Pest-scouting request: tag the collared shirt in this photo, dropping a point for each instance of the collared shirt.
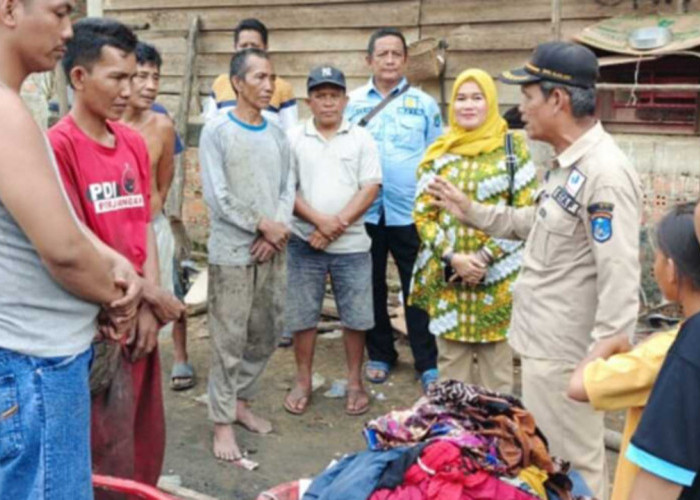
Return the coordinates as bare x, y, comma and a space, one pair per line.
281, 111
579, 279
330, 172
403, 130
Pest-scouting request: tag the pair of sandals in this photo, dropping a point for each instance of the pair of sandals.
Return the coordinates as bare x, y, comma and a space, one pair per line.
297, 401
377, 372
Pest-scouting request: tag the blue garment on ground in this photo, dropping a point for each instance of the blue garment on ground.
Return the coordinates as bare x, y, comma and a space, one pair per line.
354, 477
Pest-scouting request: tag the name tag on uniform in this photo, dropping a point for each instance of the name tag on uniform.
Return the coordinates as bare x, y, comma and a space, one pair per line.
566, 201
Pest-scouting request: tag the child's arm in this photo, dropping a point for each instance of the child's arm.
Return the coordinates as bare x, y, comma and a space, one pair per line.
604, 349
648, 486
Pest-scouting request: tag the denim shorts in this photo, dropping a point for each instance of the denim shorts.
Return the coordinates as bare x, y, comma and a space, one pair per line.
351, 281
44, 427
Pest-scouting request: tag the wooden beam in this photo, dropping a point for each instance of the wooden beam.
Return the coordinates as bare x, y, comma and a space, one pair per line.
94, 8
481, 11
176, 196
347, 15
281, 41
61, 90
500, 36
556, 20
177, 4
648, 87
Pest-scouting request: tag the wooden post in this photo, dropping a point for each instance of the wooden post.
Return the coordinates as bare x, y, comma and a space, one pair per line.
94, 8
556, 20
175, 198
61, 90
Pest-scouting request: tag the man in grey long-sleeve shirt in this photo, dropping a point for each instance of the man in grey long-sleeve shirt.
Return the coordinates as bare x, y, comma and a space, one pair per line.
249, 189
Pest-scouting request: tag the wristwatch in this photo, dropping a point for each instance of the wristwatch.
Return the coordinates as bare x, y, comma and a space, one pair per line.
447, 258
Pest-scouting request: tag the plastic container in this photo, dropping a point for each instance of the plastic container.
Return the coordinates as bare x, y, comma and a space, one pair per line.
130, 487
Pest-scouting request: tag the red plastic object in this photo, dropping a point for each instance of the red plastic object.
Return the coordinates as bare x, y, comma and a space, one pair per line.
286, 491
128, 486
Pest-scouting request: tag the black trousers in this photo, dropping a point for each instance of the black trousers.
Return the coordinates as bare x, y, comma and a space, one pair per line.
402, 242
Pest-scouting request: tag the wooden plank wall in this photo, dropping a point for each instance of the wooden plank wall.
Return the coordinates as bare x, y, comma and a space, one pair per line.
490, 34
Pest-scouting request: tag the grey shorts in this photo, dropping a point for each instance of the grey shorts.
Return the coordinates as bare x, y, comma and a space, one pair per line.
351, 280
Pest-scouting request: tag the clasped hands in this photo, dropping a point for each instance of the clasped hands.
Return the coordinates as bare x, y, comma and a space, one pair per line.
139, 313
328, 229
469, 268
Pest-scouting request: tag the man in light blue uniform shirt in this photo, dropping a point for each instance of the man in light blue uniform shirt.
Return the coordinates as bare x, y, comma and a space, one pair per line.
403, 130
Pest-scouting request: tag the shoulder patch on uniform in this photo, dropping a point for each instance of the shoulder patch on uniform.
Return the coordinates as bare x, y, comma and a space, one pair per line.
437, 120
601, 226
601, 215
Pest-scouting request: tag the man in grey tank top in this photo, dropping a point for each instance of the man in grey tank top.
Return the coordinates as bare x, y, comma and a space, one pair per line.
54, 275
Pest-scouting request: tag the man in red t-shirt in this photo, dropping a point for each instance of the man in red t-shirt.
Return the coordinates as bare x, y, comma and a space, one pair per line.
106, 172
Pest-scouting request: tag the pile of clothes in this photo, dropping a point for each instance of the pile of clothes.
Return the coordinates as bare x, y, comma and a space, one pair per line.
459, 442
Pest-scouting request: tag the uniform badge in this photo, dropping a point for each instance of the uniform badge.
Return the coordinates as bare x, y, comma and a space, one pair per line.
575, 182
601, 215
566, 201
409, 102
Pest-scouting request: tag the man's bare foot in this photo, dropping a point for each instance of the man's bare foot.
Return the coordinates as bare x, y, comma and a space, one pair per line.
358, 400
297, 399
250, 421
225, 446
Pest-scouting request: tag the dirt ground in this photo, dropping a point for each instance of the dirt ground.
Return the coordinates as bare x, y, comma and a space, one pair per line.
300, 446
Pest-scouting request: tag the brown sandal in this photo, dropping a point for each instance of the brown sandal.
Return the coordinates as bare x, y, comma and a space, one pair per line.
355, 395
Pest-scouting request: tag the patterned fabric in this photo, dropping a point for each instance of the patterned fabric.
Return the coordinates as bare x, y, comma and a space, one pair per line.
492, 429
460, 312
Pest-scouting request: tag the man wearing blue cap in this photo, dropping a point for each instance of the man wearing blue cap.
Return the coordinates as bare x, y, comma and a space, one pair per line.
338, 175
578, 286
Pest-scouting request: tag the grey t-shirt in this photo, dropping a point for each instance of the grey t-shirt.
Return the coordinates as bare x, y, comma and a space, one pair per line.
246, 175
38, 317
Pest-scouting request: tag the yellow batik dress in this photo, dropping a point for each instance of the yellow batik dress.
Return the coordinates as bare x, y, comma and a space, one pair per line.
461, 312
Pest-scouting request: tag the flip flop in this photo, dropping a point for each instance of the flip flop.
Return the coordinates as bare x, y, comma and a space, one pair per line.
285, 342
379, 366
355, 394
428, 378
291, 406
182, 377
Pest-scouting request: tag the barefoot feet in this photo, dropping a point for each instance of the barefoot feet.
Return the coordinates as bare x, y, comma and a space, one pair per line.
250, 421
225, 446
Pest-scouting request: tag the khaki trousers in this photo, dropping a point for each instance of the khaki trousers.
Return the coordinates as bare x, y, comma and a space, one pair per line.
575, 431
489, 364
245, 320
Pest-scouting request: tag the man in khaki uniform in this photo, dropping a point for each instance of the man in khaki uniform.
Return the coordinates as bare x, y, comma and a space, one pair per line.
580, 274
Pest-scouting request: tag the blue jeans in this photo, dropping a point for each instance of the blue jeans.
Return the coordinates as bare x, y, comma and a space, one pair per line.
351, 280
44, 427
